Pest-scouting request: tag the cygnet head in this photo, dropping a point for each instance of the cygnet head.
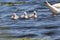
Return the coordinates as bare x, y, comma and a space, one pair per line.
35, 12
25, 13
14, 14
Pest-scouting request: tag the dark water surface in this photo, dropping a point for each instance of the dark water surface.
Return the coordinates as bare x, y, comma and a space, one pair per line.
44, 25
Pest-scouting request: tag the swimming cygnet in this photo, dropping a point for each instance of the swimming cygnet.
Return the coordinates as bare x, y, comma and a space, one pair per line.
55, 8
14, 16
33, 15
24, 16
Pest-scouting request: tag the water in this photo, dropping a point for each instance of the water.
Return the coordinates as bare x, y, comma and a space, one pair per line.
44, 25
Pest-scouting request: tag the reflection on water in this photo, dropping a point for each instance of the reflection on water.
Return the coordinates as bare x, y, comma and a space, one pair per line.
43, 38
44, 25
